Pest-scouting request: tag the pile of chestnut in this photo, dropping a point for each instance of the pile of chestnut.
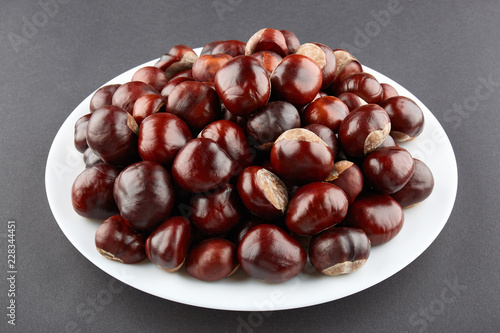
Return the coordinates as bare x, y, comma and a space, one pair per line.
259, 154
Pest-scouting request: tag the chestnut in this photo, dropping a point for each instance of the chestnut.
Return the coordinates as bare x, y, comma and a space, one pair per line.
168, 245
92, 192
117, 241
389, 91
379, 215
180, 50
300, 156
208, 48
262, 192
388, 169
90, 158
327, 135
364, 85
181, 60
187, 73
267, 40
326, 110
195, 103
127, 94
80, 137
206, 66
267, 124
144, 194
217, 211
324, 58
388, 142
103, 96
151, 75
231, 138
348, 177
161, 137
270, 254
316, 207
364, 129
339, 250
418, 188
212, 260
174, 82
407, 119
202, 165
347, 64
297, 79
352, 101
268, 59
147, 105
112, 135
232, 47
292, 42
243, 85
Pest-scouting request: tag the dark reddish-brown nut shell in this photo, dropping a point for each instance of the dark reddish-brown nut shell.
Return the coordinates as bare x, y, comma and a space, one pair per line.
161, 137
349, 178
208, 48
388, 169
195, 103
187, 73
300, 156
243, 85
267, 40
127, 94
112, 135
339, 250
267, 124
212, 259
269, 59
80, 136
326, 110
364, 85
316, 207
232, 47
103, 96
168, 245
90, 158
182, 59
407, 119
206, 66
418, 188
174, 82
364, 129
268, 253
230, 137
116, 240
202, 165
144, 194
92, 192
379, 215
216, 212
151, 75
389, 91
292, 42
388, 142
326, 135
352, 101
347, 64
238, 120
147, 105
329, 71
237, 233
262, 192
297, 79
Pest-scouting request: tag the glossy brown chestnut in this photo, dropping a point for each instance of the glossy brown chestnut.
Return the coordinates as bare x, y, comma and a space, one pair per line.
147, 105
127, 94
352, 101
208, 48
212, 260
233, 48
80, 136
92, 192
243, 85
268, 59
339, 250
217, 211
112, 135
161, 137
202, 165
174, 82
326, 135
195, 103
206, 66
151, 75
364, 129
116, 240
292, 42
144, 194
297, 79
267, 40
300, 156
388, 169
347, 64
326, 110
232, 139
324, 58
180, 50
267, 124
181, 60
316, 207
389, 91
364, 85
418, 188
185, 73
379, 215
348, 177
168, 245
103, 96
90, 158
262, 192
407, 119
270, 254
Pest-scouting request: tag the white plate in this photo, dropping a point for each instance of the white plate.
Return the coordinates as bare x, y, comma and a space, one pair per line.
422, 225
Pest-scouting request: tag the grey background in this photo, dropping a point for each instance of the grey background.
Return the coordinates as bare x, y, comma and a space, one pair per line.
440, 51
